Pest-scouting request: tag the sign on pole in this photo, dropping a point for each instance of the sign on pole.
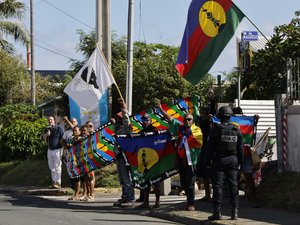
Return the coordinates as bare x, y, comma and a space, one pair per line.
249, 36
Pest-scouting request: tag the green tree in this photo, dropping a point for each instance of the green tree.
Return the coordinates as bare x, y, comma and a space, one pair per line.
15, 83
11, 73
20, 132
12, 10
267, 75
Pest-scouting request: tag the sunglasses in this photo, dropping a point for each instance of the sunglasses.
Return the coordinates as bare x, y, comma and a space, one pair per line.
188, 119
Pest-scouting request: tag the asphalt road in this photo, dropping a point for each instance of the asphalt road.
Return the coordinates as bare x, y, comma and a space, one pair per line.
32, 210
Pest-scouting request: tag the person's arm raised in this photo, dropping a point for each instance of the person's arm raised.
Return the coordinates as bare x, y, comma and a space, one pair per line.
166, 116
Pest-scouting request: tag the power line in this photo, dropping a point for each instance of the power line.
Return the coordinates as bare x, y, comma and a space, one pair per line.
67, 14
46, 44
57, 53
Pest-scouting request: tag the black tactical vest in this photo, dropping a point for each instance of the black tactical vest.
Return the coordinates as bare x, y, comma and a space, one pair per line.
228, 139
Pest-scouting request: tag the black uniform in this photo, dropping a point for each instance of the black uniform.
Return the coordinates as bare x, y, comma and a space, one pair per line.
225, 150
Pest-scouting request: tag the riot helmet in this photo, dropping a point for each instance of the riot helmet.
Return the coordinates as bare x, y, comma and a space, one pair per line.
224, 112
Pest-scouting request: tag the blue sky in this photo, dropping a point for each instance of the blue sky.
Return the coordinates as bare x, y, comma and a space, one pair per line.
156, 21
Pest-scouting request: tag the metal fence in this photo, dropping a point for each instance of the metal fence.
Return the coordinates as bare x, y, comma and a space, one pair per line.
295, 80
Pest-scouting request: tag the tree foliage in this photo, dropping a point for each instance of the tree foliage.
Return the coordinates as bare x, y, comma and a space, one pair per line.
20, 130
267, 75
154, 74
11, 12
15, 86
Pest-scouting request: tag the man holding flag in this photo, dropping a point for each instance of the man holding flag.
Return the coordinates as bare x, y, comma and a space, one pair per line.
189, 144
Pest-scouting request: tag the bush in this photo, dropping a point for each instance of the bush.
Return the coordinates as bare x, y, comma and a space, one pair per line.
21, 129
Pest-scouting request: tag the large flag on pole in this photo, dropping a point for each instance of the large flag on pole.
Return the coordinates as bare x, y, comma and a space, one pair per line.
98, 114
210, 26
91, 82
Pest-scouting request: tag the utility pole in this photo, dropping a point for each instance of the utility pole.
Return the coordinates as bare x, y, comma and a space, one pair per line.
103, 39
99, 23
129, 56
106, 45
106, 35
32, 71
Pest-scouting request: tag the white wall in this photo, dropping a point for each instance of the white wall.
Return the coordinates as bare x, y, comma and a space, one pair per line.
266, 111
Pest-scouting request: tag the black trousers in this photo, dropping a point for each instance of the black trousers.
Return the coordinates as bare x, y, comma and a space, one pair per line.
187, 181
225, 168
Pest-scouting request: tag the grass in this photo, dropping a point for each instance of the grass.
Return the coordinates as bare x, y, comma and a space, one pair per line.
36, 173
277, 190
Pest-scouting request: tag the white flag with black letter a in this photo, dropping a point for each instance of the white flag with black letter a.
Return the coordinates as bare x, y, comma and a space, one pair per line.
90, 82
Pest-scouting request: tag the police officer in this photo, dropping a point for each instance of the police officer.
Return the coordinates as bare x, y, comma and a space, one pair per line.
225, 153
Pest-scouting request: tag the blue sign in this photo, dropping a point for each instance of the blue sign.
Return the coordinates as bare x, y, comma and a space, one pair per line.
249, 36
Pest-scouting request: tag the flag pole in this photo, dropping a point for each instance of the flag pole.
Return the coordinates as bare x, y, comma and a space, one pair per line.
110, 73
264, 36
258, 29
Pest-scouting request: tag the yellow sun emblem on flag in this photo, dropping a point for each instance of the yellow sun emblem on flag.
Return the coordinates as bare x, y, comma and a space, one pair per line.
146, 157
173, 113
212, 18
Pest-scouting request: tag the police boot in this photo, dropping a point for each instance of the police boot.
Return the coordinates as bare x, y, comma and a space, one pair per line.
216, 215
234, 214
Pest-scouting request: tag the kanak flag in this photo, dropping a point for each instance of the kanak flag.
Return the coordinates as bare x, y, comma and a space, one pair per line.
210, 26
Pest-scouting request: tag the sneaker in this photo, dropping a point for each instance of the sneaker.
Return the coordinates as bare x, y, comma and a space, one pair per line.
215, 217
56, 186
128, 205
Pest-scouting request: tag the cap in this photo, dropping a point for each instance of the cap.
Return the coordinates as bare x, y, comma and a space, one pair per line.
146, 116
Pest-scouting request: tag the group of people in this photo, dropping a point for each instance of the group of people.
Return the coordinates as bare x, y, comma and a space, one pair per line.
219, 148
58, 143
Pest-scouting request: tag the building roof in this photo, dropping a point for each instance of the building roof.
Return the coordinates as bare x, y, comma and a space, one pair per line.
44, 73
256, 45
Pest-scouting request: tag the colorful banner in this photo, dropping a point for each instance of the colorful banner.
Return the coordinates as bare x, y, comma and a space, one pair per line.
177, 110
247, 126
97, 150
151, 158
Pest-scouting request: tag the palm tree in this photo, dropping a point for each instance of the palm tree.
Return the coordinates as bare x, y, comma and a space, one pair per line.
12, 9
